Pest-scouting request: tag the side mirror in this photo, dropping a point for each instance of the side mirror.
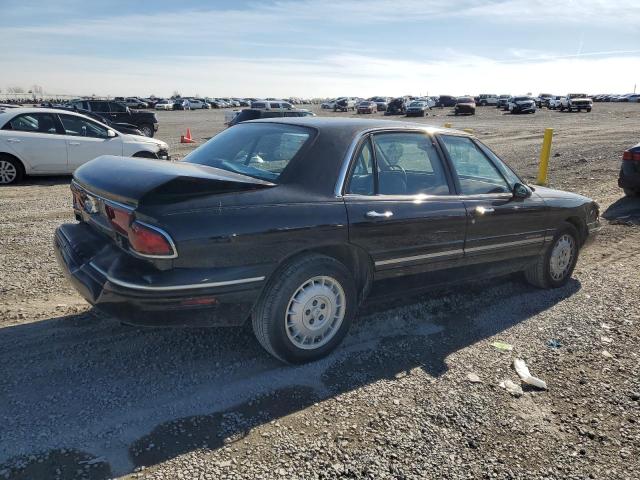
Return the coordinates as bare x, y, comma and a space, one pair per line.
521, 191
111, 134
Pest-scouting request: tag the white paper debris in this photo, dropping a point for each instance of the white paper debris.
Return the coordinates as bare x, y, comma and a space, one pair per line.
523, 372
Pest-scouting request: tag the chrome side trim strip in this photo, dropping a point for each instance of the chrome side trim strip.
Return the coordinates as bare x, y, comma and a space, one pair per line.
419, 257
137, 286
505, 244
392, 261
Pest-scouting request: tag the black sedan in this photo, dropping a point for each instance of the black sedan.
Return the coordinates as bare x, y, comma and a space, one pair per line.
465, 106
290, 223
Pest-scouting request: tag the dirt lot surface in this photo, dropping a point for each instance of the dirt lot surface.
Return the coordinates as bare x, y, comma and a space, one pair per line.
82, 396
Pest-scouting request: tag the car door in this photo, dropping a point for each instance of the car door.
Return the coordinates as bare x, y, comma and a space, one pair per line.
87, 140
119, 112
400, 207
502, 226
37, 140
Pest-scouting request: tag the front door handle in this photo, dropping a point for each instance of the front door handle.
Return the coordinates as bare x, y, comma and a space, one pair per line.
484, 210
74, 143
374, 214
13, 140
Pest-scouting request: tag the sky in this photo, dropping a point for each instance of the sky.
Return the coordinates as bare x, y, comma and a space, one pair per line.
318, 48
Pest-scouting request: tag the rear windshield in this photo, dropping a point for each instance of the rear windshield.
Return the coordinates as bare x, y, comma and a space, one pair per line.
259, 150
521, 99
465, 100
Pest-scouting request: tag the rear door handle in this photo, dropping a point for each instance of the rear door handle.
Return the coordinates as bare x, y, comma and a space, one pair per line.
484, 210
374, 214
13, 140
74, 143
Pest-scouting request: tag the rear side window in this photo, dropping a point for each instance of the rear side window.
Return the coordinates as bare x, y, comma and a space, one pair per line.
476, 173
99, 107
408, 164
117, 107
32, 122
259, 150
258, 105
362, 175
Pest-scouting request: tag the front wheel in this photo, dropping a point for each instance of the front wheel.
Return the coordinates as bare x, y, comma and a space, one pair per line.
306, 309
11, 171
147, 130
555, 265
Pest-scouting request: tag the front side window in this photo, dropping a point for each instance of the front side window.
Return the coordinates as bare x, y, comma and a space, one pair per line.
260, 150
408, 164
80, 127
476, 173
32, 122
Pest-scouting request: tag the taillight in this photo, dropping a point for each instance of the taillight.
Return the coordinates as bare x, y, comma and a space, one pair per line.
119, 218
147, 240
143, 239
631, 156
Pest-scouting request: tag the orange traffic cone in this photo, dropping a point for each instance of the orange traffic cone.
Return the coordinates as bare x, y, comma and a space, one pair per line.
187, 138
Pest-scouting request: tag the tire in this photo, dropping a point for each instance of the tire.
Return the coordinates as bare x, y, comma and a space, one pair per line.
147, 130
588, 110
553, 269
11, 170
275, 322
145, 155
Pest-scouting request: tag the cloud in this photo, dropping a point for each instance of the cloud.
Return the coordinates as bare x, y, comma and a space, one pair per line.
331, 75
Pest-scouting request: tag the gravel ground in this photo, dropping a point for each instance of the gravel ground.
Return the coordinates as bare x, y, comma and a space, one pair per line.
413, 392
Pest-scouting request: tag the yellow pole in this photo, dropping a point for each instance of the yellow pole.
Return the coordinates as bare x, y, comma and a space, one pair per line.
544, 157
447, 125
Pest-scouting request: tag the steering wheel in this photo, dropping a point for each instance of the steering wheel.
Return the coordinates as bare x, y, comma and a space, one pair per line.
398, 168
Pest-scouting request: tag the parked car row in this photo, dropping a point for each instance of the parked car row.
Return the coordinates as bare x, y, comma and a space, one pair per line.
628, 97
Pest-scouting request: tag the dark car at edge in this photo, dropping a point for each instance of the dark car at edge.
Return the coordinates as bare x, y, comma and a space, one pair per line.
629, 178
117, 112
291, 223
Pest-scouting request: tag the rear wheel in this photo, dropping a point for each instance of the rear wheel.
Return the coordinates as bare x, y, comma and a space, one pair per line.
11, 170
306, 310
555, 265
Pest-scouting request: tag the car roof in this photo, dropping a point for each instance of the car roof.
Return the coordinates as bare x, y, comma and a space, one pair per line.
21, 110
355, 125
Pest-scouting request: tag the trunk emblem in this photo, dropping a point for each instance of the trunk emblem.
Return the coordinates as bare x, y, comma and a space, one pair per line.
90, 204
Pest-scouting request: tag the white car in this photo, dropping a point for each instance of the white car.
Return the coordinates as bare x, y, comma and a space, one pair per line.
195, 104
45, 141
164, 105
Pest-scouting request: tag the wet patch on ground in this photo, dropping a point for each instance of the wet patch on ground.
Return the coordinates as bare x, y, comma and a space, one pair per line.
60, 464
210, 432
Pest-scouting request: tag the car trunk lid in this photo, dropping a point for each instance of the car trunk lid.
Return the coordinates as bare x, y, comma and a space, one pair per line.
138, 181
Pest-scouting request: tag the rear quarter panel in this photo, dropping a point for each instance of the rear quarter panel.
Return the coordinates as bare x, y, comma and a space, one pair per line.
258, 236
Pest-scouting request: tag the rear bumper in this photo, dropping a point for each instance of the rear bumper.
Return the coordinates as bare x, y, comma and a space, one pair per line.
137, 293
